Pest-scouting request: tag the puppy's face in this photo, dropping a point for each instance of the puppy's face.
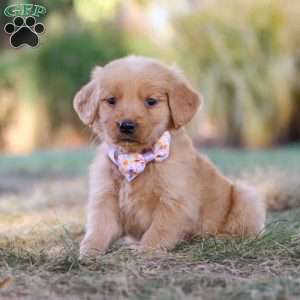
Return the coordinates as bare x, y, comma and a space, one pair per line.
132, 101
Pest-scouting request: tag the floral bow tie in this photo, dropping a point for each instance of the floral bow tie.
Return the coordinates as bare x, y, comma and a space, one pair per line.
132, 164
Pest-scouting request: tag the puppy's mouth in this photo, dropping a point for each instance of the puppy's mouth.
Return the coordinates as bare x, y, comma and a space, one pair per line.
129, 143
127, 139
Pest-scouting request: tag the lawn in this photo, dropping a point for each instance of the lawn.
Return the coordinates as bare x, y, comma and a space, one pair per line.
42, 198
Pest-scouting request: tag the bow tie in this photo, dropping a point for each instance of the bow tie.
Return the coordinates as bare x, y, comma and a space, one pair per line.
132, 164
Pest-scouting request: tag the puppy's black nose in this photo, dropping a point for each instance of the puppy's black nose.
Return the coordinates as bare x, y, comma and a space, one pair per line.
127, 126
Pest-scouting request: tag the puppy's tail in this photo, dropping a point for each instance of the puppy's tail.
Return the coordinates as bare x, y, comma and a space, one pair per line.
280, 191
247, 212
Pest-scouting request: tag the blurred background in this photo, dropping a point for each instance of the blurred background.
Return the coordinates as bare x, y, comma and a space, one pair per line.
243, 56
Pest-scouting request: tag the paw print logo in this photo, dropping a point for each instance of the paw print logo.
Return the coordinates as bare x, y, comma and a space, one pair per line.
24, 31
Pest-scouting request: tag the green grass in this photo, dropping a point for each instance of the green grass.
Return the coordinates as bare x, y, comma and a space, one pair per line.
228, 160
41, 224
49, 161
235, 161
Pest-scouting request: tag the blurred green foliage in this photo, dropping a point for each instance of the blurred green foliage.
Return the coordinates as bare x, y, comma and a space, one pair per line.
243, 56
64, 64
78, 36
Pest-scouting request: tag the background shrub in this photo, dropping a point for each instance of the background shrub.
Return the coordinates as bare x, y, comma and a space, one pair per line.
64, 64
243, 56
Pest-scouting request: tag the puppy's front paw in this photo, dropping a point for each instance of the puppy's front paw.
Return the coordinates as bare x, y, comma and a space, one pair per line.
131, 243
91, 247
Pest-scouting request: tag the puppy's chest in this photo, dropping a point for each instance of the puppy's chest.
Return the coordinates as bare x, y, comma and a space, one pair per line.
137, 202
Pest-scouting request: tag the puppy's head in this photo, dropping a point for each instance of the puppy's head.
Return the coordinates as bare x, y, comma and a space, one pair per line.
133, 100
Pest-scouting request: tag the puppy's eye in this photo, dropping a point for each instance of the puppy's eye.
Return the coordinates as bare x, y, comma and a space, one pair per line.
151, 102
111, 101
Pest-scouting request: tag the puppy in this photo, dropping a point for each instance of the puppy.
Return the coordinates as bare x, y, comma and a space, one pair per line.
148, 181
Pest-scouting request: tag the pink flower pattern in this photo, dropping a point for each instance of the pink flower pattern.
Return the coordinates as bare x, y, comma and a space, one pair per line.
132, 164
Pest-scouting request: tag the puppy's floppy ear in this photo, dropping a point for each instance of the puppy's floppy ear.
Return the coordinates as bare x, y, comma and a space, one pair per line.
85, 102
183, 101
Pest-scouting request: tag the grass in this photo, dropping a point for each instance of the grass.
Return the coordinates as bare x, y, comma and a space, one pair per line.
76, 160
228, 160
41, 224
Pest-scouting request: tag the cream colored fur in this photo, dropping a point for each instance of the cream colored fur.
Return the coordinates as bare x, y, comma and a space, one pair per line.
179, 198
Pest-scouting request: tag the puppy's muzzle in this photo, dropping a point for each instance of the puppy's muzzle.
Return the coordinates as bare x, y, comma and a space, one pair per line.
127, 126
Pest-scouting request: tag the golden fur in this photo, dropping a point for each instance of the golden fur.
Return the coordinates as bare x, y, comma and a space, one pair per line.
178, 198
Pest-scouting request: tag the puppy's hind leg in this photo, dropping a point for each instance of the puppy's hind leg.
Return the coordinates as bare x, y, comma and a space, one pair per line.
169, 225
247, 212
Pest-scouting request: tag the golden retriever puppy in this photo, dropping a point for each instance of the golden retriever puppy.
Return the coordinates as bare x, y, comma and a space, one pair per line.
148, 181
